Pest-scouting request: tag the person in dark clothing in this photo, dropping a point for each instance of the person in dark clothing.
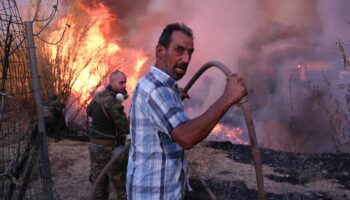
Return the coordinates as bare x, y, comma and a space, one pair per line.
54, 117
109, 129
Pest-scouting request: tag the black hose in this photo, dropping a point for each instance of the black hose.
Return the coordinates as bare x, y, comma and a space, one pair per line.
248, 118
206, 66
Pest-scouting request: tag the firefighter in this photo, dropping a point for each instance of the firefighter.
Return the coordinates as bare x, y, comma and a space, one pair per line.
109, 129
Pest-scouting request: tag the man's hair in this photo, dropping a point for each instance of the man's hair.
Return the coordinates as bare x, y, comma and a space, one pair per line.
165, 37
114, 74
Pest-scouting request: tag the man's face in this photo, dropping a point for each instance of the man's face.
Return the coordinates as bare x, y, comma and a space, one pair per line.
178, 55
119, 83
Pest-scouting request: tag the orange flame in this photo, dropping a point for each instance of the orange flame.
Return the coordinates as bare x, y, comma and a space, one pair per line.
225, 133
132, 81
86, 53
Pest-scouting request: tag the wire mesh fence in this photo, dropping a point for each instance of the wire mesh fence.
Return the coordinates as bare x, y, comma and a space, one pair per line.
21, 145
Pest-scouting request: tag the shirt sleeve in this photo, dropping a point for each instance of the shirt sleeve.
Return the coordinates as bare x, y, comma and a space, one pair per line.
166, 109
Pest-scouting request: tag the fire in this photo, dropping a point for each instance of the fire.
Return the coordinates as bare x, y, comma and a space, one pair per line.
88, 52
225, 133
137, 67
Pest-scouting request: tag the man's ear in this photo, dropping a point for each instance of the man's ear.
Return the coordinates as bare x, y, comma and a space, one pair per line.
160, 51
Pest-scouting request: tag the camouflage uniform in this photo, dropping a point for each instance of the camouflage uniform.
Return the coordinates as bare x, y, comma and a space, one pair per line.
54, 116
110, 123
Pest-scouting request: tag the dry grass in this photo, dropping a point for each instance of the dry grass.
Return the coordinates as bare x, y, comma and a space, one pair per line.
222, 173
215, 165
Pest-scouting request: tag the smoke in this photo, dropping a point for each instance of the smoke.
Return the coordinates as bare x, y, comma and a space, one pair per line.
287, 115
265, 40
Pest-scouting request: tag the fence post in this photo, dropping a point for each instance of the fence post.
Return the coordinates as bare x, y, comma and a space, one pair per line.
39, 107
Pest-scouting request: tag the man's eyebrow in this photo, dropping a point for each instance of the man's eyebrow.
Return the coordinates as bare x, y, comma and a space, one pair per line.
179, 46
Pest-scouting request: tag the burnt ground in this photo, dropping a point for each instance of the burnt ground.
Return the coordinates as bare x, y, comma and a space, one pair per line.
226, 169
286, 175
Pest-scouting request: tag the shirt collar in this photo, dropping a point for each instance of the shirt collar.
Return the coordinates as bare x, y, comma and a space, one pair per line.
163, 77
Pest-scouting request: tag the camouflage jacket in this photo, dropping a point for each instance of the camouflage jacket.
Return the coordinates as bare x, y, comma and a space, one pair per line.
108, 116
53, 109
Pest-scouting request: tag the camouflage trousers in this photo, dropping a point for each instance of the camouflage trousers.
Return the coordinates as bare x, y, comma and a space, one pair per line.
99, 157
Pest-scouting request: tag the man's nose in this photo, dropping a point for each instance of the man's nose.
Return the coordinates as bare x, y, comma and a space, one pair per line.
186, 58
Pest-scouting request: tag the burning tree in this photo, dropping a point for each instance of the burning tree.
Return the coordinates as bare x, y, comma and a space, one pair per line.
76, 56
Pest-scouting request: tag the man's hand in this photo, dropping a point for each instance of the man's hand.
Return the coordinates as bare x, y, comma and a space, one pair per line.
235, 88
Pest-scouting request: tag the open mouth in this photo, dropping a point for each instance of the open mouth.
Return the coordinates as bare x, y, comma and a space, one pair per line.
180, 70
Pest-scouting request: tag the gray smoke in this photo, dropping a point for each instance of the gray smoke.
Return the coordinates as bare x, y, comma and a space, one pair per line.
265, 40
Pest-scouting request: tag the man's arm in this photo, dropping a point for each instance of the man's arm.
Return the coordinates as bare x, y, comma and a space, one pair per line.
117, 114
193, 131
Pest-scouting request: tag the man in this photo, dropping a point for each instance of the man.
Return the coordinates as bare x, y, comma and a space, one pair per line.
54, 116
160, 131
109, 128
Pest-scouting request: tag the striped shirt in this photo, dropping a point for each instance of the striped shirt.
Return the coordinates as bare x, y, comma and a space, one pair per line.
157, 166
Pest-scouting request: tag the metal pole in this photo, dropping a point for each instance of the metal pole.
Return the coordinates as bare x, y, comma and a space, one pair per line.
46, 173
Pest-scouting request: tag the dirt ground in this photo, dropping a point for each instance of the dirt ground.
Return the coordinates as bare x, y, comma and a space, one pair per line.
227, 171
70, 167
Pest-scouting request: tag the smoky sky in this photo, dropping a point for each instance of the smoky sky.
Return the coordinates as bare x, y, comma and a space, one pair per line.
264, 40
